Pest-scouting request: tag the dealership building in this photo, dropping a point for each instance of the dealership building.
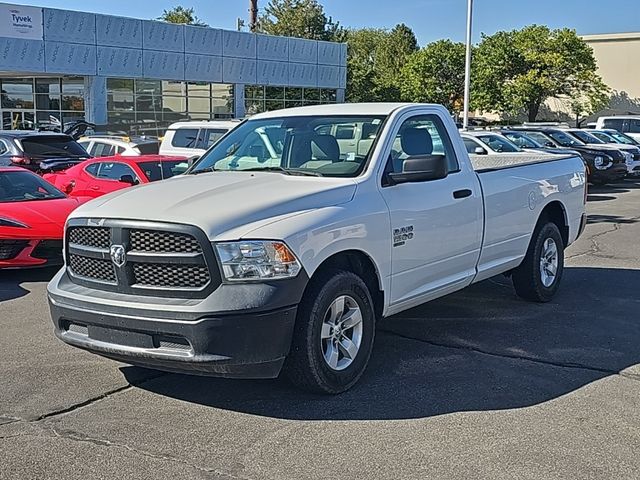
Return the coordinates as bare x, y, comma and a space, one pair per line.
139, 76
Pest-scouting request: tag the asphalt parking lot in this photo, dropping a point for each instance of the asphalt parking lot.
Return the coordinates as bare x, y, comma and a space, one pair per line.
475, 385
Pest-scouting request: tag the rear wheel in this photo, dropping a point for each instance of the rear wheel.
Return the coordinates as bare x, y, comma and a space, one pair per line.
538, 277
333, 335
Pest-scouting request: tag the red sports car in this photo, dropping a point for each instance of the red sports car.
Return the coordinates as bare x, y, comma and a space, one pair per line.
32, 217
102, 175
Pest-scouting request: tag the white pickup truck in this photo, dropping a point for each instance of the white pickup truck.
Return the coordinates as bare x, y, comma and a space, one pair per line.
281, 247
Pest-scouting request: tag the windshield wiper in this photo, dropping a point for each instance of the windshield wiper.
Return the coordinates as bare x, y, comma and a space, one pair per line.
204, 170
286, 171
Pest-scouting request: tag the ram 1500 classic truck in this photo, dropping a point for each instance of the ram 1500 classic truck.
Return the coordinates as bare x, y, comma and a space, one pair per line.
281, 247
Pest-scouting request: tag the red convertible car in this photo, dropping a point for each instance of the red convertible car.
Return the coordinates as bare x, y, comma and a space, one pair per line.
32, 217
102, 175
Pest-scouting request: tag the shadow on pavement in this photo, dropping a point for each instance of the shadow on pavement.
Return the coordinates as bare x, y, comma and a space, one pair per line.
11, 280
599, 198
610, 219
479, 349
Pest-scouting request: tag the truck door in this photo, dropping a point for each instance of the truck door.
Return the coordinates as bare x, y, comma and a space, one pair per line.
437, 224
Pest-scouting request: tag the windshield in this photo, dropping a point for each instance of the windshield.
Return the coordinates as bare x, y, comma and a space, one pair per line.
311, 145
565, 139
522, 141
52, 146
16, 186
622, 138
155, 171
586, 137
498, 143
605, 137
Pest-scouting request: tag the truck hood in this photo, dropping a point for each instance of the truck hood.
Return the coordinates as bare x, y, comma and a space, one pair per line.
221, 202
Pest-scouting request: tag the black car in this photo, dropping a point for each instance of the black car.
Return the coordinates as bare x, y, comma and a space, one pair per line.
523, 140
39, 151
605, 164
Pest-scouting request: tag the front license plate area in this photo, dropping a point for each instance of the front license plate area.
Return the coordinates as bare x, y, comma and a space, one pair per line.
120, 337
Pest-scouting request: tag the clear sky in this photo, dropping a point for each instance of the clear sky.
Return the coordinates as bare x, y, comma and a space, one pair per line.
429, 19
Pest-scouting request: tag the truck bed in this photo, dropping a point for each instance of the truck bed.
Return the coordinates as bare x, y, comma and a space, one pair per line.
486, 163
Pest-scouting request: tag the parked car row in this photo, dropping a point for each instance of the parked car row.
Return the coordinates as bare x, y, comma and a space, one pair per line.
609, 155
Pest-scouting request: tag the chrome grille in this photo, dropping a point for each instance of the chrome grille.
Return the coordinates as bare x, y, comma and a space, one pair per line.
163, 242
158, 260
96, 237
92, 268
180, 276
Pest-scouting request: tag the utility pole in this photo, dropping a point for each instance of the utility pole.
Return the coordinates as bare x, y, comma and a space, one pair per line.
253, 15
467, 68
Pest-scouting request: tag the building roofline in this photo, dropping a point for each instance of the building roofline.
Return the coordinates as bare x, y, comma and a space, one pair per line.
611, 37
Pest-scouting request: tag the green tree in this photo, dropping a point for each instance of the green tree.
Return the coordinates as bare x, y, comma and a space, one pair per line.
594, 95
392, 54
181, 15
362, 52
375, 59
298, 18
519, 70
435, 74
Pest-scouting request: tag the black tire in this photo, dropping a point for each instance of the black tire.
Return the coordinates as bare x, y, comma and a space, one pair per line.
527, 278
305, 365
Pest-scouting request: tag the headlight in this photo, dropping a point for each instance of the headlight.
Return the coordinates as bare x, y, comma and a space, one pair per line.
257, 260
7, 222
602, 162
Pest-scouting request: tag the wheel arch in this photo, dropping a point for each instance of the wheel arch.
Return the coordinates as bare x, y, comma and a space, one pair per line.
360, 263
556, 213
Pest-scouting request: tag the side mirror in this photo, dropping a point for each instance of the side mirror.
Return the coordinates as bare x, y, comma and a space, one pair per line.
480, 151
420, 168
549, 144
128, 179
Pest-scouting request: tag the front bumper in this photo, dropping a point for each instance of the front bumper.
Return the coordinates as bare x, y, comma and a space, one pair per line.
616, 172
242, 343
32, 253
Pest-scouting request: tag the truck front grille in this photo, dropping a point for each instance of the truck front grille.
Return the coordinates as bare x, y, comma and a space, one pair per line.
96, 237
180, 276
160, 260
92, 268
163, 242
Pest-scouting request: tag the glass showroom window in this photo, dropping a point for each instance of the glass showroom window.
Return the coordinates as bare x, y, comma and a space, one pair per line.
146, 106
259, 98
31, 103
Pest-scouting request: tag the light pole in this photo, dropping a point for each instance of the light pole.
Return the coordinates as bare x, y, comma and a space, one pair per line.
467, 67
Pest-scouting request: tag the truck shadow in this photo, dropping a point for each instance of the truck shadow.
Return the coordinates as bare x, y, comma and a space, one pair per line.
479, 349
11, 281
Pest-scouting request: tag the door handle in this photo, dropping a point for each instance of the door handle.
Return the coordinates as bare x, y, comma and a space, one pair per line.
462, 193
95, 187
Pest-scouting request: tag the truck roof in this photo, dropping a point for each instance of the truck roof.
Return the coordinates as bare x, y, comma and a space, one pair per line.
337, 109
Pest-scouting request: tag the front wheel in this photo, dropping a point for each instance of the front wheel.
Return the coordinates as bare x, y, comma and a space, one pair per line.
333, 335
538, 277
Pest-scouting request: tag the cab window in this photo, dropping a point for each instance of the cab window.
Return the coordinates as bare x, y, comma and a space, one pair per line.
615, 123
92, 169
114, 171
419, 136
103, 150
185, 138
209, 136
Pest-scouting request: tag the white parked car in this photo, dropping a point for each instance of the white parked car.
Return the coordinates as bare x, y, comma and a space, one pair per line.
190, 139
108, 146
250, 265
485, 142
629, 124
